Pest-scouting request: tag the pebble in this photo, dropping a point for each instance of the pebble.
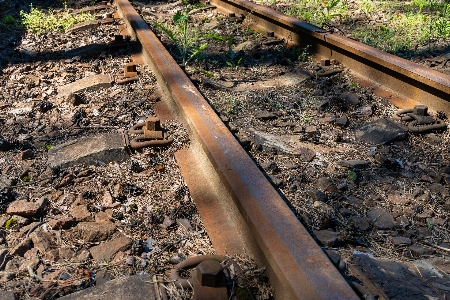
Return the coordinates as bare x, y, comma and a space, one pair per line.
400, 240
381, 218
317, 195
265, 116
354, 164
359, 223
329, 238
350, 98
130, 260
418, 250
277, 182
342, 121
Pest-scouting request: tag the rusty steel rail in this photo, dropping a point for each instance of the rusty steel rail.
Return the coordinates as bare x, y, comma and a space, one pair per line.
402, 77
240, 209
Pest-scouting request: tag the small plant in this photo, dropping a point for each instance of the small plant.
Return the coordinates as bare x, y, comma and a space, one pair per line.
352, 175
37, 21
133, 207
329, 6
26, 178
48, 147
182, 36
8, 20
10, 223
232, 54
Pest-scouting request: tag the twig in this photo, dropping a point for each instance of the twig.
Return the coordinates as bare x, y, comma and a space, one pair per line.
34, 228
438, 247
4, 260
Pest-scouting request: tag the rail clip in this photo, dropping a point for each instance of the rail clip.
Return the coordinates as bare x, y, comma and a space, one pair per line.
419, 121
149, 134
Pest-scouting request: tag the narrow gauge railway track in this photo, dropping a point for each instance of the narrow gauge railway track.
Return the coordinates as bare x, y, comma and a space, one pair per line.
241, 210
248, 205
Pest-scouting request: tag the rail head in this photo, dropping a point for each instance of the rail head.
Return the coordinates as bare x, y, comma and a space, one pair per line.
301, 268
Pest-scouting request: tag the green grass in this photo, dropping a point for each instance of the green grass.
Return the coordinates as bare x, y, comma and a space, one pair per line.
37, 21
392, 26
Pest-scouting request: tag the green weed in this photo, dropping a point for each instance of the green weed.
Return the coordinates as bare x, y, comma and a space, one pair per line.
8, 20
10, 223
352, 175
37, 21
185, 39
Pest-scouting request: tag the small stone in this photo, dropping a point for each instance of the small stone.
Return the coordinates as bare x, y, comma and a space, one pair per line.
342, 121
317, 93
185, 224
66, 253
359, 223
381, 218
311, 129
270, 166
52, 255
329, 238
437, 188
64, 276
108, 249
168, 222
335, 258
68, 179
28, 208
265, 115
277, 182
44, 241
398, 199
4, 295
400, 240
25, 155
354, 164
176, 259
102, 148
6, 276
323, 206
95, 232
21, 248
130, 260
102, 276
318, 196
380, 131
402, 221
327, 120
326, 184
80, 213
350, 98
366, 111
419, 250
62, 223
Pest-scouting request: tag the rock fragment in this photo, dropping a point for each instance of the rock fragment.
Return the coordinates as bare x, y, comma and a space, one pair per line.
381, 218
27, 208
380, 131
108, 249
102, 148
329, 238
